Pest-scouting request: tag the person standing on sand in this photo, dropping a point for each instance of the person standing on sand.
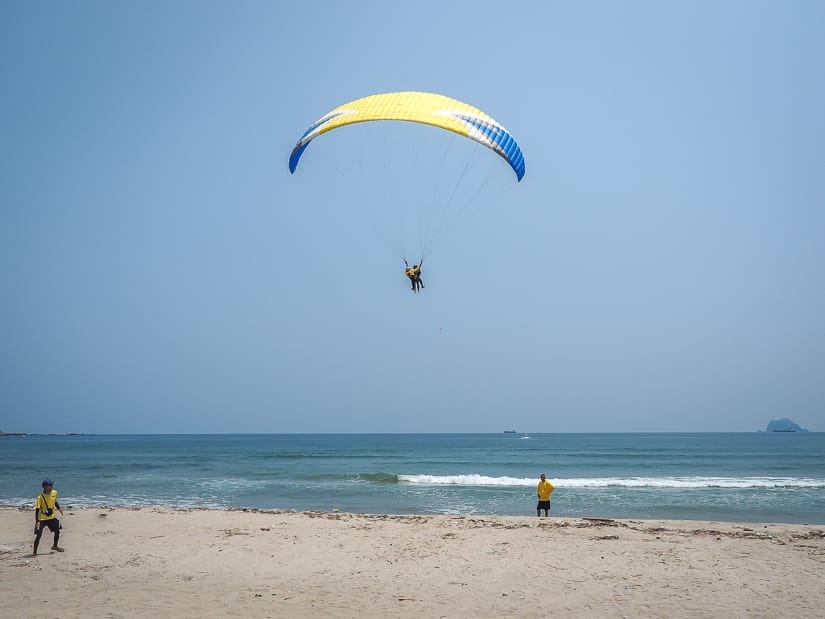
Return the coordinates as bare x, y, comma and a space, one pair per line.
544, 490
44, 516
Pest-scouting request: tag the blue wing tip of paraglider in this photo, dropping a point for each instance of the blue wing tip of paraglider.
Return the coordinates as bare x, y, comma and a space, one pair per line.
517, 163
499, 139
519, 168
512, 153
295, 156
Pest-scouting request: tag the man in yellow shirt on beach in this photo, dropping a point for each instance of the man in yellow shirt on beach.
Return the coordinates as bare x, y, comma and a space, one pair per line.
544, 490
44, 516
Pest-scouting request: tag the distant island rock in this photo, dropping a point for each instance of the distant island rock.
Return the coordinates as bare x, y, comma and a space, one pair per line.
784, 425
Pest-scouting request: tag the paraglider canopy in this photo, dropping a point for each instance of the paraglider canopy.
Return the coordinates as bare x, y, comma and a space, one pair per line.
420, 107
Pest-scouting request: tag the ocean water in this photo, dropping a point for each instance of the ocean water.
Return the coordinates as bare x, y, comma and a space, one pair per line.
751, 477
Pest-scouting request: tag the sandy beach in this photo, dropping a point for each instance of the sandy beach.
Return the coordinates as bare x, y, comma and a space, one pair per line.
216, 563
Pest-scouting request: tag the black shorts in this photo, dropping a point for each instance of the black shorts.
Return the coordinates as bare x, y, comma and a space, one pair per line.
543, 505
53, 524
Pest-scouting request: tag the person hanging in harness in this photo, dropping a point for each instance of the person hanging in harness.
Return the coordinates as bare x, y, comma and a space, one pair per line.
414, 273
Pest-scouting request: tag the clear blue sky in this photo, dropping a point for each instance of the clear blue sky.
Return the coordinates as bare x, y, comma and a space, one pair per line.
660, 268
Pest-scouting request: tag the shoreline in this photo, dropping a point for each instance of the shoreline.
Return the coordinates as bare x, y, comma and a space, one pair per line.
203, 562
335, 512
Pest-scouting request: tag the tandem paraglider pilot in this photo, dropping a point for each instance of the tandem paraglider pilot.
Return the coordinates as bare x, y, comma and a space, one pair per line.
414, 273
45, 517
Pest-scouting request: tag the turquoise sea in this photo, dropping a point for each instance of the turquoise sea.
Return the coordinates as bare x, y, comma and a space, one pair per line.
755, 477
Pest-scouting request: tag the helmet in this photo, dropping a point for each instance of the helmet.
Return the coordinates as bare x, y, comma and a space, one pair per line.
47, 482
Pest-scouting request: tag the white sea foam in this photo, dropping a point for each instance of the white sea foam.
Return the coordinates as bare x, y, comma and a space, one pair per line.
228, 484
625, 482
466, 480
693, 482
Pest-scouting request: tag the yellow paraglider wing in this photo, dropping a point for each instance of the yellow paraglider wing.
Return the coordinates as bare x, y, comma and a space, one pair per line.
420, 107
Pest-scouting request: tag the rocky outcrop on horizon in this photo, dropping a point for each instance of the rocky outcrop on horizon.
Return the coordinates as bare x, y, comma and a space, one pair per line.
784, 425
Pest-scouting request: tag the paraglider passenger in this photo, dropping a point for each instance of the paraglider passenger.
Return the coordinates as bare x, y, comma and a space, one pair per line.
414, 273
